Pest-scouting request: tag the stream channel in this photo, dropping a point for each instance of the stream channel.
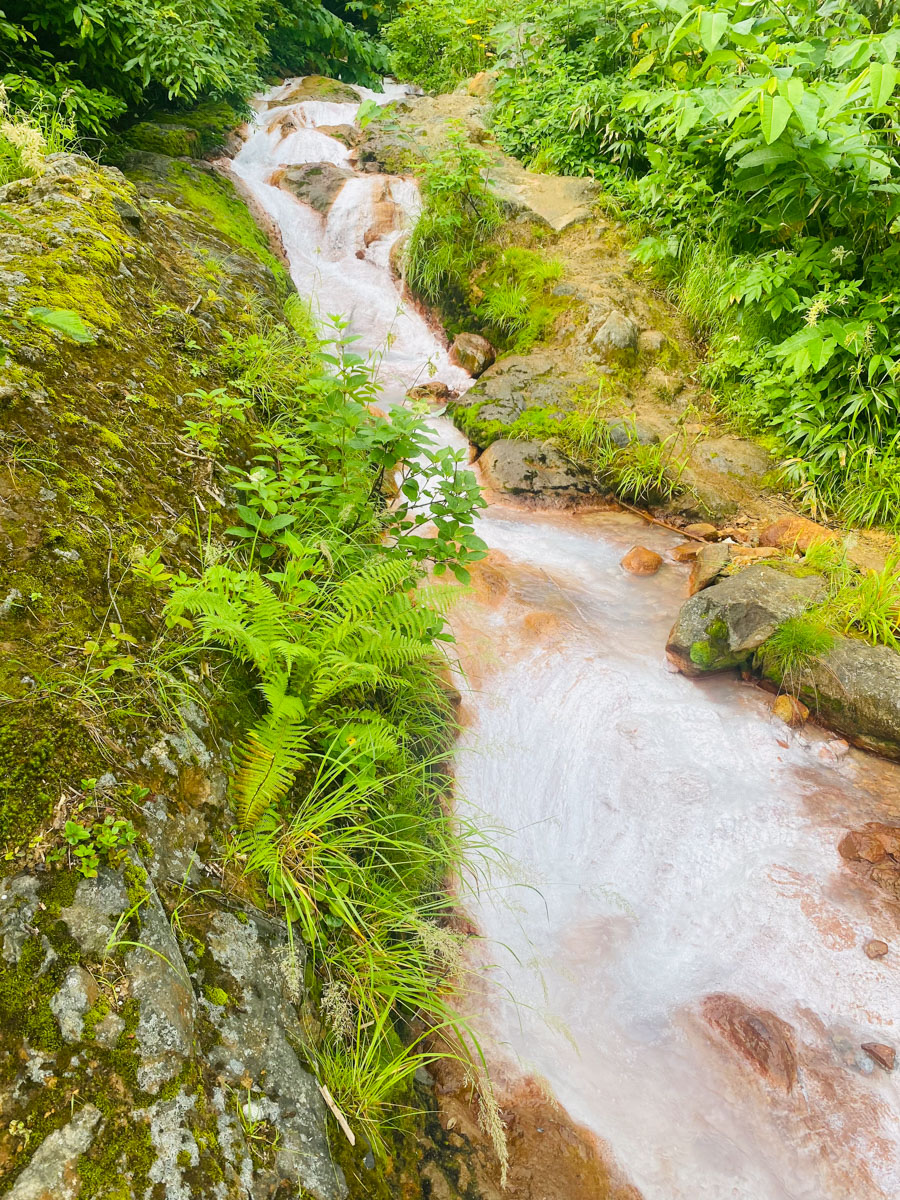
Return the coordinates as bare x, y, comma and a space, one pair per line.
676, 952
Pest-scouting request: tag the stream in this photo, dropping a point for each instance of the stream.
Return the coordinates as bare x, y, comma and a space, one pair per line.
676, 951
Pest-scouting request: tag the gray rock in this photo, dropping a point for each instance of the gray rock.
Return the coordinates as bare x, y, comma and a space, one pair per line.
618, 335
651, 341
623, 432
69, 1004
18, 904
52, 1173
92, 915
257, 1039
732, 456
316, 184
855, 688
315, 87
533, 471
723, 625
167, 1008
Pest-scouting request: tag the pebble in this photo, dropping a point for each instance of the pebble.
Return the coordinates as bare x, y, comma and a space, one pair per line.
884, 1055
875, 948
641, 561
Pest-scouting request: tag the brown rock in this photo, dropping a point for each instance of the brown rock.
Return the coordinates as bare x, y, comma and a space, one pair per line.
702, 529
790, 710
435, 392
753, 553
472, 352
641, 561
711, 561
889, 836
861, 846
686, 552
884, 1055
795, 533
875, 948
759, 1036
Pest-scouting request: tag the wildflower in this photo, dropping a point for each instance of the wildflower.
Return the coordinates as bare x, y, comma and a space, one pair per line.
839, 253
815, 310
28, 142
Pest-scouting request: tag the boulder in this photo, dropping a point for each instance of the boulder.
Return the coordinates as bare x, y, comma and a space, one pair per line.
795, 533
651, 342
855, 688
723, 625
316, 184
531, 470
624, 433
641, 561
315, 87
472, 353
616, 337
348, 135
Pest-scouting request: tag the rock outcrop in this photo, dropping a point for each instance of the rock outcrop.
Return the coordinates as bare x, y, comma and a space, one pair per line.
472, 352
531, 471
316, 184
723, 625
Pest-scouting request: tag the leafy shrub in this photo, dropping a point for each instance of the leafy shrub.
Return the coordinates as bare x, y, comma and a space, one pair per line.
437, 44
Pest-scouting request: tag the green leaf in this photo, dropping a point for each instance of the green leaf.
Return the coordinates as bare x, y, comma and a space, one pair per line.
64, 321
774, 114
882, 81
712, 29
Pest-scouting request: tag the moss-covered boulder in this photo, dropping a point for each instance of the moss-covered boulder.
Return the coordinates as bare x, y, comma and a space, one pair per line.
723, 625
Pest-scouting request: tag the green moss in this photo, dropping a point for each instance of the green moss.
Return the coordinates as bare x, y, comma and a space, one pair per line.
702, 654
216, 995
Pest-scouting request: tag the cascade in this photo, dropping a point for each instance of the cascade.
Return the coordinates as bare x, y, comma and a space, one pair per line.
676, 952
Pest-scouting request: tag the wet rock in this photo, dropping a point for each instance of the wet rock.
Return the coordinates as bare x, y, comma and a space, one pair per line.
434, 392
76, 995
617, 336
875, 948
472, 353
316, 184
795, 534
347, 134
855, 688
759, 1036
531, 470
723, 625
686, 552
790, 710
641, 561
882, 1054
709, 563
315, 87
52, 1173
861, 845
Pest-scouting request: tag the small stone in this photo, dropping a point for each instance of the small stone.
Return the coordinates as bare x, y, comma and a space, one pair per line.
686, 552
651, 341
702, 529
641, 561
435, 392
884, 1055
790, 710
875, 948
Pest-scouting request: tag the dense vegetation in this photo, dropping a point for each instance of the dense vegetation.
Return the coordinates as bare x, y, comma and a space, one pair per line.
87, 64
753, 147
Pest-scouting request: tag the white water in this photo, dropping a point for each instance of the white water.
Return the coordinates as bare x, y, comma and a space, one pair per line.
676, 841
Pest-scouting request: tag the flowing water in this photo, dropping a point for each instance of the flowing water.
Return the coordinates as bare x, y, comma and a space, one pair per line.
677, 950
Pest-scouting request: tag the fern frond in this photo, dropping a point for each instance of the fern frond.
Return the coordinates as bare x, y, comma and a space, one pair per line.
268, 760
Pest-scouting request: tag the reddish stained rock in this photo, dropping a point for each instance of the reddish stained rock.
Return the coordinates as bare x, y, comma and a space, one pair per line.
641, 561
876, 948
435, 392
790, 710
763, 1039
884, 1055
686, 552
795, 533
861, 846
